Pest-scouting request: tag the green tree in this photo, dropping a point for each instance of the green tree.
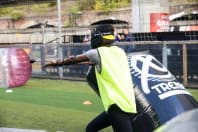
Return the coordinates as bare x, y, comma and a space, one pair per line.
17, 14
86, 4
102, 4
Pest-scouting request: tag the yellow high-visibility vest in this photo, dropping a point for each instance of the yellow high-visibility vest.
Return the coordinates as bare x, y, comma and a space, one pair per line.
114, 79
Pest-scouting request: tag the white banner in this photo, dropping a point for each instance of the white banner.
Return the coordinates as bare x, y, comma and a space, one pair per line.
4, 68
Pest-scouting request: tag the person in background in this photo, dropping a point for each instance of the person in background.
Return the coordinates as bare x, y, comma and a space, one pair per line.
87, 37
113, 77
125, 36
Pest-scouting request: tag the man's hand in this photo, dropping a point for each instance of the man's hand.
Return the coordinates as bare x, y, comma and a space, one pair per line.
32, 61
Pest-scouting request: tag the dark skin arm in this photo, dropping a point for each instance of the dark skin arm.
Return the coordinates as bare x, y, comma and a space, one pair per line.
79, 59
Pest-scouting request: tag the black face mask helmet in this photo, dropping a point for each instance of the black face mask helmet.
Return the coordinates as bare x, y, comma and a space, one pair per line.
102, 35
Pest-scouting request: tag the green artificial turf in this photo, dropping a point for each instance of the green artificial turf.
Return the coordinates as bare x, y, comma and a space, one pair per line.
194, 93
52, 105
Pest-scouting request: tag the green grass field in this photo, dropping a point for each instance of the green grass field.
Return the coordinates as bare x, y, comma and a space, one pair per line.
53, 105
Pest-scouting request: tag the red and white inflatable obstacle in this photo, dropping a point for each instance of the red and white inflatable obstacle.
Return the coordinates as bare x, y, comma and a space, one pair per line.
15, 67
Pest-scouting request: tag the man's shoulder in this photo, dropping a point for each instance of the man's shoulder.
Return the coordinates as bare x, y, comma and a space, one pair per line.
92, 52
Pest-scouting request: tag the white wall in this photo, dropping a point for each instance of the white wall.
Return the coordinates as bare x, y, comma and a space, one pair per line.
141, 10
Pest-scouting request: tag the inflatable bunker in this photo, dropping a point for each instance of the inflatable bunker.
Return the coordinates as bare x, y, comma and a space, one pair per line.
15, 67
159, 95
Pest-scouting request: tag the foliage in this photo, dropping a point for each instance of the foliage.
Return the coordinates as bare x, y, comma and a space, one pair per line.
105, 5
4, 11
14, 14
19, 12
51, 4
110, 4
86, 4
100, 5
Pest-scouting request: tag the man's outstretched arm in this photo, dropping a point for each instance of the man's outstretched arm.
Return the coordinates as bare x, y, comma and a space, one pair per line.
69, 61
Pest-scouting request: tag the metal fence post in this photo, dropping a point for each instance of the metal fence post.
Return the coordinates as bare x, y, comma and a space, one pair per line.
164, 56
43, 47
60, 51
185, 67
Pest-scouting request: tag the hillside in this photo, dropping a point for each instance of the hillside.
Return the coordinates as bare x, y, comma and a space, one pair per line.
67, 7
41, 9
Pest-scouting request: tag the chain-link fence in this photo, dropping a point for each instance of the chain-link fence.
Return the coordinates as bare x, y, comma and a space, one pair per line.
168, 29
180, 57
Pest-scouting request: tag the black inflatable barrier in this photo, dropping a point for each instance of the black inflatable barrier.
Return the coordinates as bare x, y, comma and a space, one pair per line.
159, 96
